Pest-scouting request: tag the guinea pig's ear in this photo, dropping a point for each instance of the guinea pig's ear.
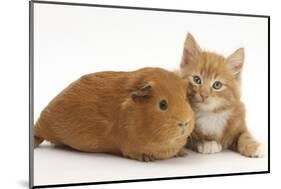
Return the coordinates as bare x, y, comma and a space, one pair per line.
144, 91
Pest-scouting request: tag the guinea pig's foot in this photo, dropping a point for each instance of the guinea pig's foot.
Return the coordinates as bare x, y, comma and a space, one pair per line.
181, 153
141, 157
148, 158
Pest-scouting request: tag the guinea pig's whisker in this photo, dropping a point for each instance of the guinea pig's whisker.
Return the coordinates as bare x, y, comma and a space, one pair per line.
159, 132
156, 132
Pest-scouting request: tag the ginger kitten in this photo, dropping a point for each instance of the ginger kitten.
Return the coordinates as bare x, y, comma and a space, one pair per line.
214, 93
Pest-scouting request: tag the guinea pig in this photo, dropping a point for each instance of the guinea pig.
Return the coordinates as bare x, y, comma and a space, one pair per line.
143, 115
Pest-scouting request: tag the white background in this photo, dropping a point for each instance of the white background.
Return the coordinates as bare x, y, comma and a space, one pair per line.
14, 96
72, 40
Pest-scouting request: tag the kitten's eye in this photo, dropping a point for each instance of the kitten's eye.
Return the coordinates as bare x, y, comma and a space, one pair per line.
217, 85
197, 79
163, 104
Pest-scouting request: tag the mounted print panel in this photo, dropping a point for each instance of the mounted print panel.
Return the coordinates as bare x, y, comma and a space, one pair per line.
122, 94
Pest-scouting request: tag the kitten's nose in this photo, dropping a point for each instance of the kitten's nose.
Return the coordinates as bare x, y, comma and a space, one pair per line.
203, 96
183, 124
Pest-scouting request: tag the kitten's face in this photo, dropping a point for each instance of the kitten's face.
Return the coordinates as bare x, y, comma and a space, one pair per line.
213, 80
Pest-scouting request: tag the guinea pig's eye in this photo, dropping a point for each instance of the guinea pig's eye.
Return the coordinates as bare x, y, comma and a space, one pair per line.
197, 80
163, 104
217, 85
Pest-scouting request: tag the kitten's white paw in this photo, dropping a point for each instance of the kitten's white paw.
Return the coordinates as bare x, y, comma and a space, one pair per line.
209, 147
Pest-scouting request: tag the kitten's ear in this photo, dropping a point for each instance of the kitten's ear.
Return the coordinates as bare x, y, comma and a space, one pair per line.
236, 61
191, 50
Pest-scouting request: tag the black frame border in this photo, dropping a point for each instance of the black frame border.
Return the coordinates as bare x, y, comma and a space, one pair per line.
31, 92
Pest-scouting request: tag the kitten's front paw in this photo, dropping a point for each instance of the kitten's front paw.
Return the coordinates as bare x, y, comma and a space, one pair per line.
209, 147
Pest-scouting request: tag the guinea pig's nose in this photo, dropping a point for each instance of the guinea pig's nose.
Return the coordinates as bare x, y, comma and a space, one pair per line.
183, 124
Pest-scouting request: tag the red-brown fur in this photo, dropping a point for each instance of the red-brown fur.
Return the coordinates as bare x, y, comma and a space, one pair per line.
109, 112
